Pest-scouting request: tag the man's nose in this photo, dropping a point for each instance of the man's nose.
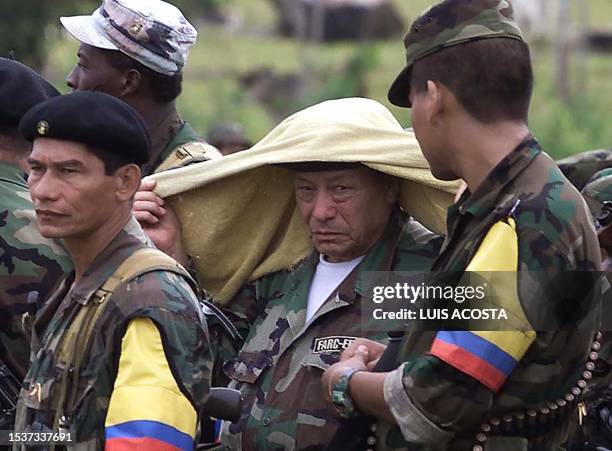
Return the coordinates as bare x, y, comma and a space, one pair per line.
43, 188
324, 207
71, 79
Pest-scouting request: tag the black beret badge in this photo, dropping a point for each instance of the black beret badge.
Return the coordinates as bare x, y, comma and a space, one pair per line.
42, 128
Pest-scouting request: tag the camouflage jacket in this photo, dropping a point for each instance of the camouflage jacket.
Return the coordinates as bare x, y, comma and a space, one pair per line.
278, 369
437, 404
160, 390
29, 263
178, 144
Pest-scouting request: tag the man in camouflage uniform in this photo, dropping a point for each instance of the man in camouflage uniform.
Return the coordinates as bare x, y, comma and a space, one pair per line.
468, 80
30, 265
136, 51
296, 322
115, 366
597, 429
581, 167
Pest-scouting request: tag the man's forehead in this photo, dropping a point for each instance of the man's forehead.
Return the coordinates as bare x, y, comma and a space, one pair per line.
57, 150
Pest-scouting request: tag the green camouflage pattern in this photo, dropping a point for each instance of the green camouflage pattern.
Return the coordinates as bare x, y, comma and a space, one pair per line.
454, 22
597, 191
580, 168
279, 367
555, 233
29, 263
155, 34
164, 297
450, 23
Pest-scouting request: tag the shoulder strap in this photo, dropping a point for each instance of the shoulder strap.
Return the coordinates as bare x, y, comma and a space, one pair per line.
140, 262
199, 151
76, 338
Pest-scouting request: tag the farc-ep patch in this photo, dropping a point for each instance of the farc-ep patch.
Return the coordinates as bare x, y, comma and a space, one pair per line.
336, 343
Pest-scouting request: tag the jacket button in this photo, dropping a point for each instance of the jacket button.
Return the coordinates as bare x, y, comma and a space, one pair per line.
266, 421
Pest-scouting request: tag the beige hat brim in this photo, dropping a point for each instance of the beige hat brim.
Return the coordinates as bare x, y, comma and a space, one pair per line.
84, 29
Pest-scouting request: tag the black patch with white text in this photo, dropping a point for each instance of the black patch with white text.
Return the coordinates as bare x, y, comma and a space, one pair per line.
336, 343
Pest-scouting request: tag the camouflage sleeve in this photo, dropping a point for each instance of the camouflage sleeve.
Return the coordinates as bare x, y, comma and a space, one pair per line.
168, 301
147, 409
453, 387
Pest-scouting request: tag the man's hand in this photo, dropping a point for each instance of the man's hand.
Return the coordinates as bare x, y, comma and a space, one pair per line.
358, 361
159, 222
375, 350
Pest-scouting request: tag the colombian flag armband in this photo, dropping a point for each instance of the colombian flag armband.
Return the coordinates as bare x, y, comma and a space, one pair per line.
147, 409
490, 356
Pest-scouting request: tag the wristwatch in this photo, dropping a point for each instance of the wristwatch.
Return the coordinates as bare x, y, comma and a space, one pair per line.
341, 397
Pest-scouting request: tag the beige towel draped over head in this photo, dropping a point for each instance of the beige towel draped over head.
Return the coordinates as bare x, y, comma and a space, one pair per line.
238, 213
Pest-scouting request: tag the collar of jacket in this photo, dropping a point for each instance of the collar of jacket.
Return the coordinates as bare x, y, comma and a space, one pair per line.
486, 196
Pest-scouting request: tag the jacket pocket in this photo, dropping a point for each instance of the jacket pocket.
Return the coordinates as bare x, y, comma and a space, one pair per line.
247, 367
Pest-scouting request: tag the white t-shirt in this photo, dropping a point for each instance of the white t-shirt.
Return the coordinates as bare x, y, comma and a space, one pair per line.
327, 277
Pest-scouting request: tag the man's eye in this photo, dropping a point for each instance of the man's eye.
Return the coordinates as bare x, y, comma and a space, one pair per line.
68, 171
342, 188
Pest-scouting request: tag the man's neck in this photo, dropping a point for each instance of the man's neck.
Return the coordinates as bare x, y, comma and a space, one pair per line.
155, 115
84, 249
482, 147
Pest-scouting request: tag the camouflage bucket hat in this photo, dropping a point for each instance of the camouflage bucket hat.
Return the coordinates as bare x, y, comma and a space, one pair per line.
451, 23
598, 196
153, 32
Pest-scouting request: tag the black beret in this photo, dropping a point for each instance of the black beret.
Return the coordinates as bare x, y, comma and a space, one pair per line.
93, 118
20, 89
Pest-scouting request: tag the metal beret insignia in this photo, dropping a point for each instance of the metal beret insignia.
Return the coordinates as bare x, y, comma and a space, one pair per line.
42, 128
135, 28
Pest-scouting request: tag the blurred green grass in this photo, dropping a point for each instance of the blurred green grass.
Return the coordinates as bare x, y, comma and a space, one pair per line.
213, 94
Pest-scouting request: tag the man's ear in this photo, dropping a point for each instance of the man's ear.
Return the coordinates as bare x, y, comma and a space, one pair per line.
392, 188
132, 81
127, 181
435, 101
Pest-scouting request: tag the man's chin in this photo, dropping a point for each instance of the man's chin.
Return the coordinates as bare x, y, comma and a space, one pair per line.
332, 253
52, 232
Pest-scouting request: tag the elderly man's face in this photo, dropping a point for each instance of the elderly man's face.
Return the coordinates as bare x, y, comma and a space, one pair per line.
346, 211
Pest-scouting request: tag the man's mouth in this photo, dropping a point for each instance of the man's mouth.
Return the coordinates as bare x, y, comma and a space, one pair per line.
325, 235
48, 214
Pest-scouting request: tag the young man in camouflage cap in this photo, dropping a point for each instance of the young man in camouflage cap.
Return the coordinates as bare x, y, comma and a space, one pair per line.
121, 356
30, 264
136, 50
468, 80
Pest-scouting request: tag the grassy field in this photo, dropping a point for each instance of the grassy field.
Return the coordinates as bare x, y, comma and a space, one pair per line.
213, 94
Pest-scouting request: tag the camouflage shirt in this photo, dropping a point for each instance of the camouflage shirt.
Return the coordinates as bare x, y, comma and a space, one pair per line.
28, 263
146, 372
437, 404
279, 368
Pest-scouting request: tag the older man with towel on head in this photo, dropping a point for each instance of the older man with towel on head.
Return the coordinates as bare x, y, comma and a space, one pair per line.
341, 177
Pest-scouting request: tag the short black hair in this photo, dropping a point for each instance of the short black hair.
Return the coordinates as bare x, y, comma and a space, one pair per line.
164, 88
112, 161
492, 78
